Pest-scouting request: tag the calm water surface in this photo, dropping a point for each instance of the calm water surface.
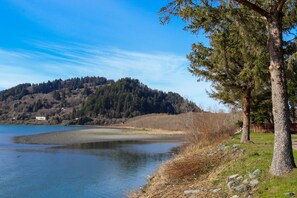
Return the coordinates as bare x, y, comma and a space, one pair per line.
84, 170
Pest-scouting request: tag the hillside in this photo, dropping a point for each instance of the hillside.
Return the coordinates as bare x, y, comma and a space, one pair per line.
88, 100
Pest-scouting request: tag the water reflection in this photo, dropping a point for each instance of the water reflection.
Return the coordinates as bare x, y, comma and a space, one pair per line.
129, 155
97, 145
108, 169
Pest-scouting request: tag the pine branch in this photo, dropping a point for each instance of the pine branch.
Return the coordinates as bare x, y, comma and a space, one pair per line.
254, 7
280, 5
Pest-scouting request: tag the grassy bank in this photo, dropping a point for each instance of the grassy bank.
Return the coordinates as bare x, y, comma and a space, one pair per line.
258, 155
203, 171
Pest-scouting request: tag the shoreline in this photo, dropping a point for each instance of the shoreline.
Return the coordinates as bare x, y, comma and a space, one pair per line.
100, 134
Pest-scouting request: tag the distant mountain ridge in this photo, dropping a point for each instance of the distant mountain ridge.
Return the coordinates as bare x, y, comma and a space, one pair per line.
87, 100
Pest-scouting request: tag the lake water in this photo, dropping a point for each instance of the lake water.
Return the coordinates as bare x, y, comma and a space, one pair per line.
86, 170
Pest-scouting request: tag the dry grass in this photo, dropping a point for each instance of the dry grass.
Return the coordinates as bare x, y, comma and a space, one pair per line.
184, 122
158, 121
198, 162
191, 163
194, 168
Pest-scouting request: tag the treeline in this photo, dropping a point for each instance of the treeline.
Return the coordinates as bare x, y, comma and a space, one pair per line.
128, 98
22, 90
71, 84
16, 92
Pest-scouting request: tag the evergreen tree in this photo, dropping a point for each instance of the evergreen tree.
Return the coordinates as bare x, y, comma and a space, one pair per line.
56, 95
87, 91
279, 16
234, 63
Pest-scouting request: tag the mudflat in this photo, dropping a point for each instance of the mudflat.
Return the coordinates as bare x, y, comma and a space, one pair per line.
100, 135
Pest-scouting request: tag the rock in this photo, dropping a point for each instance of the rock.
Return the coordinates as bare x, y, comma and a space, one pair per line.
239, 179
222, 147
187, 192
246, 181
234, 180
232, 177
290, 194
231, 184
216, 190
254, 183
252, 176
257, 172
235, 147
241, 188
242, 150
235, 196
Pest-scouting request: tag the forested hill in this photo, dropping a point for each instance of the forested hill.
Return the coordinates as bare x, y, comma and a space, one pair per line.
21, 90
88, 100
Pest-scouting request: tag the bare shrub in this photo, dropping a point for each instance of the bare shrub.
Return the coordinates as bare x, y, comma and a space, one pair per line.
207, 128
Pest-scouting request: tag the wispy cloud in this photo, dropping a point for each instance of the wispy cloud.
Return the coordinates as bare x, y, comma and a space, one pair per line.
164, 71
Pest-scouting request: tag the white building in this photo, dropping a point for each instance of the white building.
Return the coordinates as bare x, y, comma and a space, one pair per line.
40, 118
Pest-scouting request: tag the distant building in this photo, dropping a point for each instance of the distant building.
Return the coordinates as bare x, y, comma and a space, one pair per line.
40, 118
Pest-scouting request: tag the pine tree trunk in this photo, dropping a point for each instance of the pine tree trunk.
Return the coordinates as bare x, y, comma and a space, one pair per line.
283, 159
246, 108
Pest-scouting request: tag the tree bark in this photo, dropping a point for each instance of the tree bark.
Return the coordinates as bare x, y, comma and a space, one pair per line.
283, 159
246, 109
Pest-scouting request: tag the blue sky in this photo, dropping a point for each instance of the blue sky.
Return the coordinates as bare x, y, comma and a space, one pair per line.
43, 40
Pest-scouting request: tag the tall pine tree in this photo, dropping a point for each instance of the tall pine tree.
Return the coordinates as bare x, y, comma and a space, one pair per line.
234, 63
279, 16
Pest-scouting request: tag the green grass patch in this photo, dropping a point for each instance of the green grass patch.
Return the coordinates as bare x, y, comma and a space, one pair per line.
258, 155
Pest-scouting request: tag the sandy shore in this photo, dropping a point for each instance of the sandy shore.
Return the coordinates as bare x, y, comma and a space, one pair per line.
100, 135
